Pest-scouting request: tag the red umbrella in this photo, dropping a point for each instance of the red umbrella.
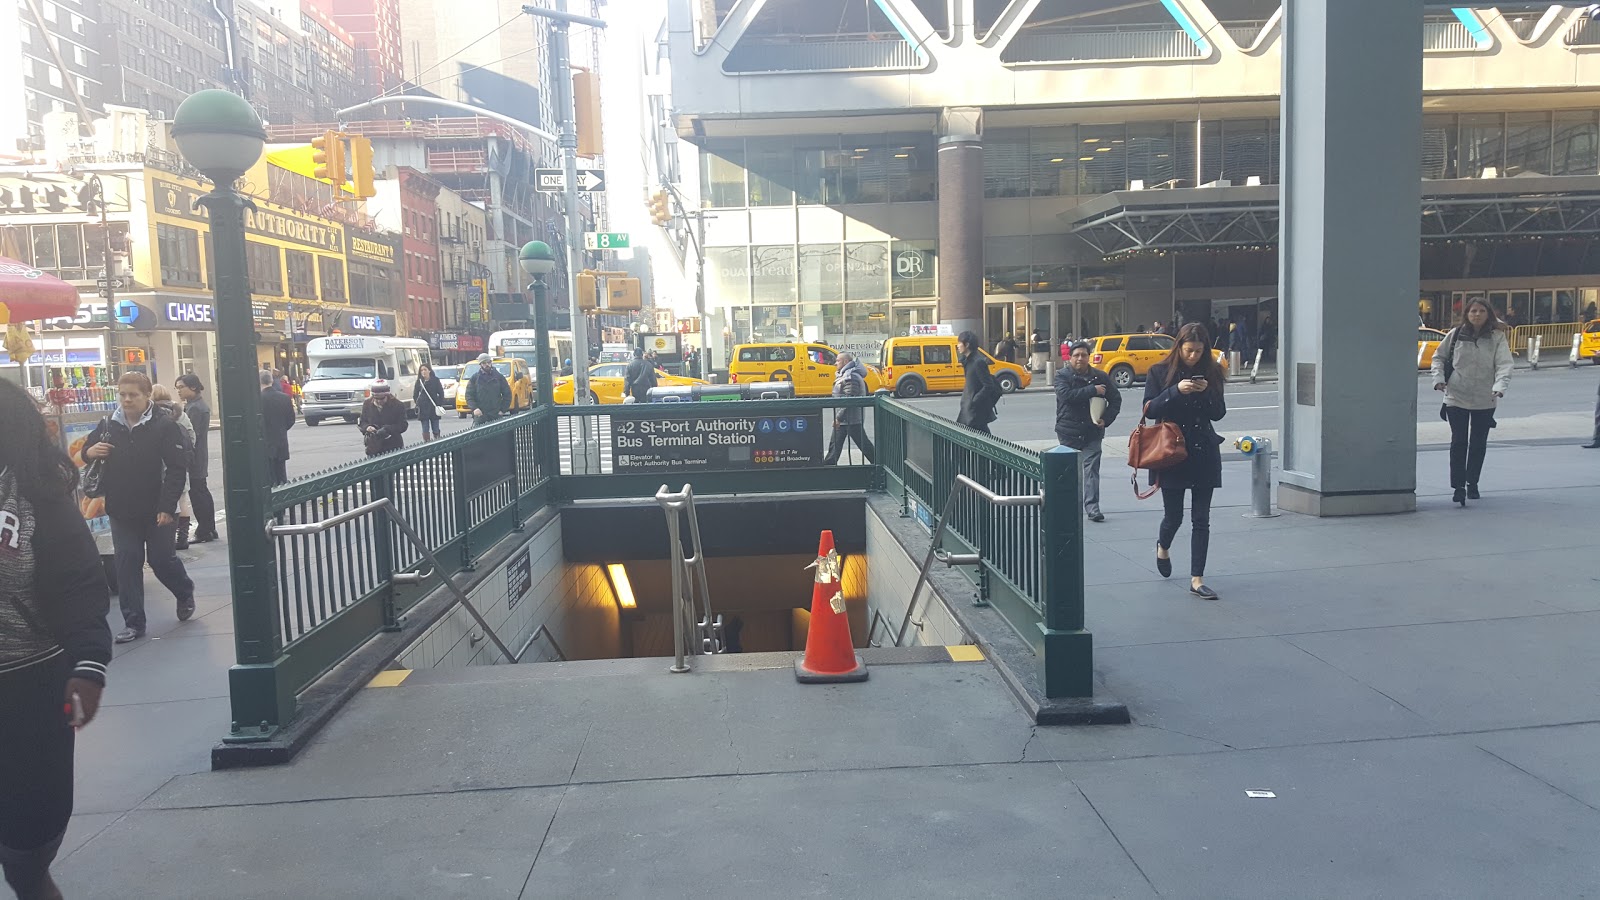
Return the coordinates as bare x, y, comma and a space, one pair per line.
27, 293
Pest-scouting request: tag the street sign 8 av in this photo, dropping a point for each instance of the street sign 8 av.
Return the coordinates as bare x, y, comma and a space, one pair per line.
605, 240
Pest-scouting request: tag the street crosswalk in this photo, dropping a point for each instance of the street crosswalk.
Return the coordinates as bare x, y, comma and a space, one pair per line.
570, 436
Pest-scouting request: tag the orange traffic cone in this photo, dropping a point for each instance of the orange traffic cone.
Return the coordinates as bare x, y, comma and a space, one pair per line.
830, 657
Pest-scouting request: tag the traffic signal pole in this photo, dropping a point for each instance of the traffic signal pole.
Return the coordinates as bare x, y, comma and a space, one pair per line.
560, 20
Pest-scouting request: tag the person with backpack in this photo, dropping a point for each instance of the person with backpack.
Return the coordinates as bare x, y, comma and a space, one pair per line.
981, 392
162, 398
1006, 349
54, 642
1473, 368
142, 464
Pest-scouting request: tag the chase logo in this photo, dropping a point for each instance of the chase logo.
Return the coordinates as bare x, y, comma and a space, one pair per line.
127, 312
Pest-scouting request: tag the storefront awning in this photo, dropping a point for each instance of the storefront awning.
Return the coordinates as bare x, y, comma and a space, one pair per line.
1192, 219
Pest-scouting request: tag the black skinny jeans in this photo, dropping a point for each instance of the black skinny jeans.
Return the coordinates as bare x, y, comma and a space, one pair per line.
1200, 536
1469, 442
35, 770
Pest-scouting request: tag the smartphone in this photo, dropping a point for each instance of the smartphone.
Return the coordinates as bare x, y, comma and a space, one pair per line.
74, 711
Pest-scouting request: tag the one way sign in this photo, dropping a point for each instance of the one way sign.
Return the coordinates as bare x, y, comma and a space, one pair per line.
555, 180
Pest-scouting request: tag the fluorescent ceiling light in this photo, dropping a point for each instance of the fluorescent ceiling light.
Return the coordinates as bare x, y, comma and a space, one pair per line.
621, 586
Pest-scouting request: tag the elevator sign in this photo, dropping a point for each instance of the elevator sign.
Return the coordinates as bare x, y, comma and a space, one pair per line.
716, 443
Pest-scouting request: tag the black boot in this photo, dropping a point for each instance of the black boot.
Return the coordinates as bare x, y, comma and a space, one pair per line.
1472, 492
183, 533
1460, 496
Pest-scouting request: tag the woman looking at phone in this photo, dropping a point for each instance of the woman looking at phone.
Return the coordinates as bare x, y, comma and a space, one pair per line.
1186, 390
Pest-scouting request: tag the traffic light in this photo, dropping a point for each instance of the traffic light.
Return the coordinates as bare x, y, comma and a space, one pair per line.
660, 208
623, 293
328, 156
586, 112
361, 167
586, 298
132, 356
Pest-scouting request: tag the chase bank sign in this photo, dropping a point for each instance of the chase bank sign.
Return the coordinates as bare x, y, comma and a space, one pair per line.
190, 314
366, 323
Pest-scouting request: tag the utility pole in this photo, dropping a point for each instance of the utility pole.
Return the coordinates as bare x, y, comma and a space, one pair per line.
567, 137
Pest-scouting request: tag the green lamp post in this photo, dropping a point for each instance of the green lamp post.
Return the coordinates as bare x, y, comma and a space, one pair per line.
220, 134
538, 260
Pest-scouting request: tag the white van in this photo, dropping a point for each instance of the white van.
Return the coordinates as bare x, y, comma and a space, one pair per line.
344, 369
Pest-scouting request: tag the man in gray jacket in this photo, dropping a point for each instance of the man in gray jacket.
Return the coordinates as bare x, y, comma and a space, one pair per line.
850, 380
192, 393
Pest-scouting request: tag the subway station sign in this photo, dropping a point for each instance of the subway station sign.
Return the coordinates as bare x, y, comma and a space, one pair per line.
716, 443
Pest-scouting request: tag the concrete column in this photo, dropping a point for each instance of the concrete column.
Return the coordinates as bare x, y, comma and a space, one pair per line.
961, 219
1352, 107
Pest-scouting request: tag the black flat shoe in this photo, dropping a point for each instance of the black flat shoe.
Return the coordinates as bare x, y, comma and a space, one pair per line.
1164, 566
203, 538
1098, 517
1203, 592
1460, 496
1472, 492
1595, 445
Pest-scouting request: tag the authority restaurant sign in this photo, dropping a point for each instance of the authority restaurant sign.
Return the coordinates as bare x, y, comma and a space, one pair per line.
178, 201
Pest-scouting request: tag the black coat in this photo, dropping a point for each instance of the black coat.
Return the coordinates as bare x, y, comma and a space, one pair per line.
1074, 427
429, 396
1193, 413
639, 378
390, 421
146, 472
200, 417
277, 417
980, 393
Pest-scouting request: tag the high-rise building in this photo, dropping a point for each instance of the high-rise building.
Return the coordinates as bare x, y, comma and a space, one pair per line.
375, 27
295, 63
49, 62
154, 54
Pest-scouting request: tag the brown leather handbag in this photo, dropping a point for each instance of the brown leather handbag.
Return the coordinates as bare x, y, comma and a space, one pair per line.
1154, 447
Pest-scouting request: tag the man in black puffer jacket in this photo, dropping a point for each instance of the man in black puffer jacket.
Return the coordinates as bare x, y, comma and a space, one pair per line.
1077, 387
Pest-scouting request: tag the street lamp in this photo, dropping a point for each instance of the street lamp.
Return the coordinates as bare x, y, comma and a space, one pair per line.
538, 260
220, 134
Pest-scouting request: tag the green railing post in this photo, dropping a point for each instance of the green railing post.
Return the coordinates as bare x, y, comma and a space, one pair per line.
383, 545
458, 462
1068, 662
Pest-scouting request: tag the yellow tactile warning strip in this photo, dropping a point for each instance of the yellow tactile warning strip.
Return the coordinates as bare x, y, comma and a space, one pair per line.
389, 678
964, 653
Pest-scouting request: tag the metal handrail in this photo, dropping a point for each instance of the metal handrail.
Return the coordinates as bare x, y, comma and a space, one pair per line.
386, 505
957, 559
685, 571
541, 630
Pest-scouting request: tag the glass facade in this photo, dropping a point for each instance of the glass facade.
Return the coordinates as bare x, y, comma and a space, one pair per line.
831, 171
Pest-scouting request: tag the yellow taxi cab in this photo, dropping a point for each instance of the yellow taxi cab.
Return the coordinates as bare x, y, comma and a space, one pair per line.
1428, 340
606, 383
1590, 347
516, 372
810, 366
1128, 357
913, 366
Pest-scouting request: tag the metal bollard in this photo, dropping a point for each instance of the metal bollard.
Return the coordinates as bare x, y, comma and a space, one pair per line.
1256, 369
1260, 452
1235, 363
1572, 358
1534, 344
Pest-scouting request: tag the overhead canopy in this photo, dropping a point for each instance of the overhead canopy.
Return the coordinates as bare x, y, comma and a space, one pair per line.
1192, 219
27, 294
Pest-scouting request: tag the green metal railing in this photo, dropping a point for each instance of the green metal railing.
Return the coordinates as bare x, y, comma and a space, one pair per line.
1032, 556
337, 587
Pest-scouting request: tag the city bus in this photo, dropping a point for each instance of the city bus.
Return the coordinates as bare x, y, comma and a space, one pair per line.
520, 343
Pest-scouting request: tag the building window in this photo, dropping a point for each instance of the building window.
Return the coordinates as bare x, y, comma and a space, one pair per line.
1151, 157
821, 272
913, 172
864, 171
1053, 153
1005, 164
1482, 144
44, 246
302, 274
866, 271
1102, 159
1439, 147
1527, 144
817, 175
1577, 144
772, 273
913, 270
266, 268
771, 173
1247, 151
729, 273
722, 178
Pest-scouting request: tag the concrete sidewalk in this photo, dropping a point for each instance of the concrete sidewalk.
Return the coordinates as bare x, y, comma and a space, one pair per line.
1419, 693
